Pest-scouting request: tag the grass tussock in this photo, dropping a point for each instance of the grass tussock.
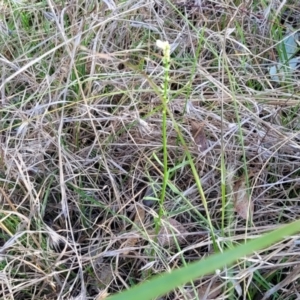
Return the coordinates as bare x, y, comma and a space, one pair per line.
94, 197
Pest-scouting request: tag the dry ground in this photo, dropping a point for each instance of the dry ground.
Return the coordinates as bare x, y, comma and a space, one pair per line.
81, 166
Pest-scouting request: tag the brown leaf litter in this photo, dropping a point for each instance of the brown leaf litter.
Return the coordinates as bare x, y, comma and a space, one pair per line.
169, 231
197, 130
139, 222
243, 204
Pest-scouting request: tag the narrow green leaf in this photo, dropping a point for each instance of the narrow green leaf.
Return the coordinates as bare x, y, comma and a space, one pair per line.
164, 283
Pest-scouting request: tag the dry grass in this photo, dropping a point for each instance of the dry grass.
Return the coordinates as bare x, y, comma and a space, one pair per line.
81, 146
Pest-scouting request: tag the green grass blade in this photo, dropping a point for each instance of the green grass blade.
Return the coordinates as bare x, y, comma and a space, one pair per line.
164, 283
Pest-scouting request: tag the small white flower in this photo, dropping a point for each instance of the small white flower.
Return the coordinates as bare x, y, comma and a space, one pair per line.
162, 45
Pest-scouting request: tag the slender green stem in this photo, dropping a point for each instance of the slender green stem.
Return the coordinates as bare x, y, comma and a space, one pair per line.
165, 161
165, 99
